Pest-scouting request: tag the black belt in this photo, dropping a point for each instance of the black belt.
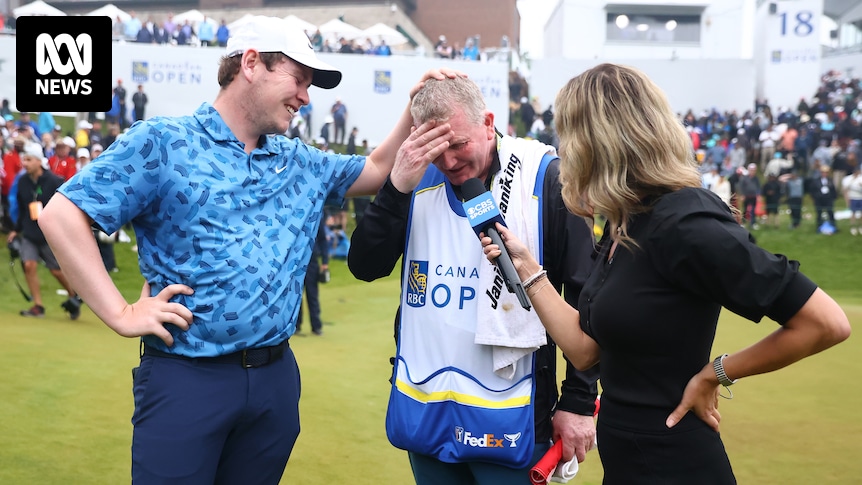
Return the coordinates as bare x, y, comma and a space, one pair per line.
247, 358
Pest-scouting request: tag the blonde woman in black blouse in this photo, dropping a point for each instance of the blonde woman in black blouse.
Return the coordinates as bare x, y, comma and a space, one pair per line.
672, 257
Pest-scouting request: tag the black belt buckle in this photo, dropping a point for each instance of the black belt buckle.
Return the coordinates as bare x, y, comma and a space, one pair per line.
247, 364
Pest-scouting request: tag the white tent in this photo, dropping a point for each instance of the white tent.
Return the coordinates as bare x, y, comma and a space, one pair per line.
380, 31
336, 28
37, 8
194, 17
298, 23
239, 22
112, 11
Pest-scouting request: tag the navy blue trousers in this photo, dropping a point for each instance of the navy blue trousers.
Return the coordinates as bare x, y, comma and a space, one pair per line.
213, 423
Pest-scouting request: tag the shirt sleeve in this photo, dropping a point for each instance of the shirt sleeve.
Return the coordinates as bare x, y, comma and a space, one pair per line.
697, 245
122, 182
568, 248
378, 240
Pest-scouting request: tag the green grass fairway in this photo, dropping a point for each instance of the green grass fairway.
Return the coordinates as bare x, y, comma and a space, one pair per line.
66, 400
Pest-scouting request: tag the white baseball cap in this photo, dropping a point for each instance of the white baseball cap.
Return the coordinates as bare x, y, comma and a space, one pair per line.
68, 141
84, 125
272, 34
83, 152
33, 149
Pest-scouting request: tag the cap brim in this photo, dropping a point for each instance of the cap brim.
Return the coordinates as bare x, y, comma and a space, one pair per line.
324, 77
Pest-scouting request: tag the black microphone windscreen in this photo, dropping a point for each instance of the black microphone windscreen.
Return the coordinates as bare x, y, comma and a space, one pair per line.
472, 188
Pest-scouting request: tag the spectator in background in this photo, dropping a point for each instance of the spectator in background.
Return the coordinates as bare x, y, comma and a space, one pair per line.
318, 267
46, 123
48, 144
206, 33
443, 50
548, 135
26, 121
527, 113
146, 34
113, 133
823, 154
382, 49
132, 26
222, 34
721, 187
823, 194
4, 108
351, 141
82, 136
345, 47
772, 191
36, 187
843, 163
749, 187
82, 158
339, 118
305, 113
139, 102
768, 141
118, 29
852, 188
63, 162
11, 168
471, 51
325, 129
317, 41
169, 25
120, 92
778, 165
8, 130
95, 135
795, 189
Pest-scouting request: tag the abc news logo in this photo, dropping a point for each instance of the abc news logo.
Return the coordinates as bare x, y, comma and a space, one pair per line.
63, 64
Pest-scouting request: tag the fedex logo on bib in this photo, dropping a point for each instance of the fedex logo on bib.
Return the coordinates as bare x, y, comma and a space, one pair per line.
486, 440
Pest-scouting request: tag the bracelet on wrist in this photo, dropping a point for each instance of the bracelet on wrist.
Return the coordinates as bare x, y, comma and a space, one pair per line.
718, 367
534, 278
547, 283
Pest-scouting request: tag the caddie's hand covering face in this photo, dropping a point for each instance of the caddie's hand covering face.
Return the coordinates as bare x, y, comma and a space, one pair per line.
272, 34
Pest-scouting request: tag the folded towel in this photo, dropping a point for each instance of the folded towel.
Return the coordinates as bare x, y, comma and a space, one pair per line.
549, 468
544, 469
513, 331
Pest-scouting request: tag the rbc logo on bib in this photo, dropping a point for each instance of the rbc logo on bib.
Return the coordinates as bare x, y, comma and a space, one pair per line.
63, 65
417, 283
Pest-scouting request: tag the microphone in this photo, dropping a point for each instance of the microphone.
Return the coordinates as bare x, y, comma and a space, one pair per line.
483, 214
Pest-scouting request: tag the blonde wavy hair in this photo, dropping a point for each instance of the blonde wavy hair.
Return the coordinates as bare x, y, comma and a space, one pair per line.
620, 143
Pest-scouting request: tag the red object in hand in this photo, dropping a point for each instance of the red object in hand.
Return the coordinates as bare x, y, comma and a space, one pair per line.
541, 472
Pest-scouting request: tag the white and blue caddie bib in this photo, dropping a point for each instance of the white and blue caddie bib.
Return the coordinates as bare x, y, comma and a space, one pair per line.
446, 401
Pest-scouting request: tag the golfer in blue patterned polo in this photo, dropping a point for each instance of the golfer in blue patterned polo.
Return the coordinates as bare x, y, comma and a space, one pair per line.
225, 215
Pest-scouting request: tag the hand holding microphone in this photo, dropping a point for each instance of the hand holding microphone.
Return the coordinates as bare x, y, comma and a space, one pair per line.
483, 214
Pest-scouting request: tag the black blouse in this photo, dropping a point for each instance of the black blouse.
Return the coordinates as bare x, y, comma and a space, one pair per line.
653, 309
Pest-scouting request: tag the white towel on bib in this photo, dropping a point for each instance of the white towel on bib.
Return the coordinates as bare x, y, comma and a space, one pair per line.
513, 331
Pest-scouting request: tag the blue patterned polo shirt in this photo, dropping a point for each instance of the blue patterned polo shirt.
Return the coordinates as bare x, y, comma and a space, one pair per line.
237, 228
